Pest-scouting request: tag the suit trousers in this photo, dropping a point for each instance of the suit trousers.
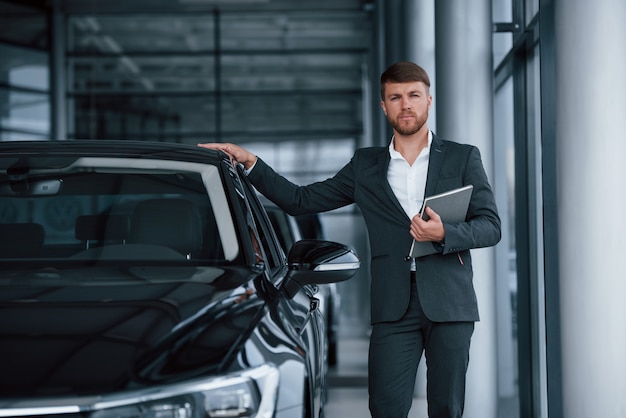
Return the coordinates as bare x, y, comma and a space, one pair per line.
395, 352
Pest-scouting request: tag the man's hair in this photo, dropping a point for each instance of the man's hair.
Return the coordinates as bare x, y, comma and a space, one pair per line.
403, 72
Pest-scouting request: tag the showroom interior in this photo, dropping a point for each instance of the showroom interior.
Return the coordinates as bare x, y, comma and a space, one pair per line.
537, 85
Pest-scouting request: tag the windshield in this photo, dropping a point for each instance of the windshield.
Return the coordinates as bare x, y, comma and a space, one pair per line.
115, 210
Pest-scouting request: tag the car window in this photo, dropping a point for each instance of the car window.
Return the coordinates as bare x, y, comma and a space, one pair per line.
116, 209
265, 234
263, 239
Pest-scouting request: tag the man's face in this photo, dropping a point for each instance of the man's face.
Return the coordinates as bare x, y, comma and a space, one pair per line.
406, 106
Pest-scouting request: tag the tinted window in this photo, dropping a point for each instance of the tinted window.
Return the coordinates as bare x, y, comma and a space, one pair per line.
116, 211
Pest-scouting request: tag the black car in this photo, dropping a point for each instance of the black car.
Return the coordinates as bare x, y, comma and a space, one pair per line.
144, 279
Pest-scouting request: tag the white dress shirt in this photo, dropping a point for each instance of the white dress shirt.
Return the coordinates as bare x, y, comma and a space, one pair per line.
408, 182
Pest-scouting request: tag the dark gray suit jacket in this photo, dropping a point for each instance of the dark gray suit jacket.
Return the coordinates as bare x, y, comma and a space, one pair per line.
445, 284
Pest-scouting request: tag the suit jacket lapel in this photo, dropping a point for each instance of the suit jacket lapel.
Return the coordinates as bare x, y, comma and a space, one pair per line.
383, 167
435, 161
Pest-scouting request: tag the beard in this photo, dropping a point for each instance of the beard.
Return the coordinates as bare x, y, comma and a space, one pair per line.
408, 128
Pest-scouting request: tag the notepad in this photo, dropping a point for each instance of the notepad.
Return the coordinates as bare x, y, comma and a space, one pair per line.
451, 206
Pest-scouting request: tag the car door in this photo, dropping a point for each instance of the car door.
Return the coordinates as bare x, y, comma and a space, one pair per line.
300, 311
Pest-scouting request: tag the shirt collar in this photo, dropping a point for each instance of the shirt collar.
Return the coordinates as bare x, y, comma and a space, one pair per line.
395, 154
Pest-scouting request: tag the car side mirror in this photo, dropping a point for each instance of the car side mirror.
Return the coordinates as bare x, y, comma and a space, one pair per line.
314, 262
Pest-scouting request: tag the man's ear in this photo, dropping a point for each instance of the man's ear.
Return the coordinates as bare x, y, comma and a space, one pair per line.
382, 105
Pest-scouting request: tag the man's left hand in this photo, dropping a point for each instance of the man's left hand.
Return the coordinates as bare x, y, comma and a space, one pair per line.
430, 230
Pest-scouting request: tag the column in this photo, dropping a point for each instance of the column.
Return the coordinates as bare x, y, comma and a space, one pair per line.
58, 100
464, 105
591, 148
420, 48
419, 18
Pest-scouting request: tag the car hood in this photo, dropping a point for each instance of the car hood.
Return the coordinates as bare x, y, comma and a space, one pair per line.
101, 329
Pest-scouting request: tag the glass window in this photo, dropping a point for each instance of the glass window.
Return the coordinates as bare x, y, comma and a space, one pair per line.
116, 34
299, 71
306, 30
27, 111
535, 207
24, 93
262, 77
508, 396
124, 74
532, 9
517, 126
303, 161
502, 12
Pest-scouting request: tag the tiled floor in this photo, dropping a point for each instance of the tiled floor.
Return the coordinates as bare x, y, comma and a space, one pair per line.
347, 395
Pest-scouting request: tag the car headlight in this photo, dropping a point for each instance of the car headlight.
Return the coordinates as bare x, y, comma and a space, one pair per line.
237, 401
251, 393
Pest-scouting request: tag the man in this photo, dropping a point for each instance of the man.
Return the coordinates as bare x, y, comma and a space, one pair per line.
427, 304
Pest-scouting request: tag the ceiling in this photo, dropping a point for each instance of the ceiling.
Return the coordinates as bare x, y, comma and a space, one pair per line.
242, 70
176, 6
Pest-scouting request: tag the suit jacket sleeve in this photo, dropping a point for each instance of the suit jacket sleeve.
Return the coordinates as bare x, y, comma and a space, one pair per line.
317, 197
482, 226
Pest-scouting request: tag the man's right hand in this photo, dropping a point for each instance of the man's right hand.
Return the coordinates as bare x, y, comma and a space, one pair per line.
237, 153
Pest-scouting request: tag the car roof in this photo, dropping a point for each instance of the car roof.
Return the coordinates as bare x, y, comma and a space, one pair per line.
111, 148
